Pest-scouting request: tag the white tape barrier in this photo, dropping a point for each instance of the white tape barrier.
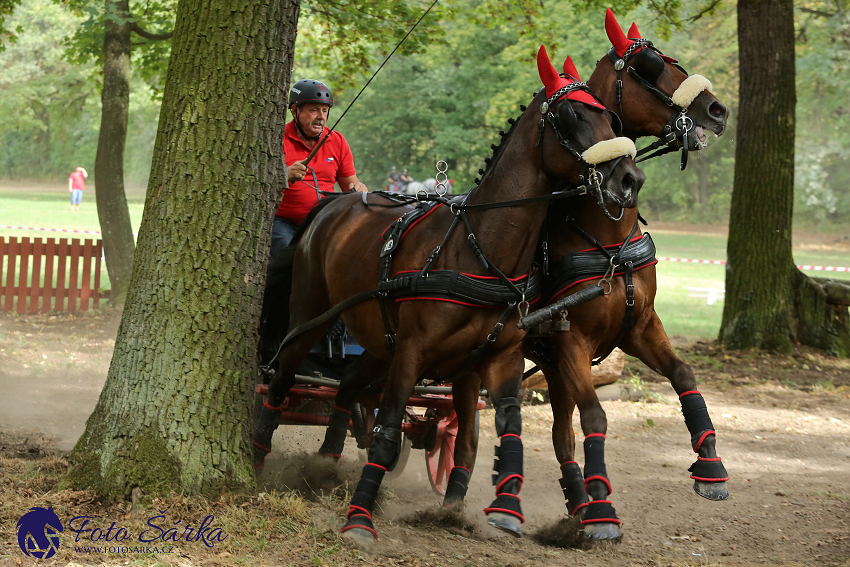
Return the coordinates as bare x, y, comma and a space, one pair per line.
660, 258
723, 263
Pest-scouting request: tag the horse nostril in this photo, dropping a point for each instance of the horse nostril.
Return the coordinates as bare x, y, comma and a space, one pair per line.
717, 109
629, 183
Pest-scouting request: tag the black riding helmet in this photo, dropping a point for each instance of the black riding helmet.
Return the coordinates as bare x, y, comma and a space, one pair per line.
308, 90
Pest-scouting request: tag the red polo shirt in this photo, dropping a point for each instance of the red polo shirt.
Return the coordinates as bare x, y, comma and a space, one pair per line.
331, 163
78, 181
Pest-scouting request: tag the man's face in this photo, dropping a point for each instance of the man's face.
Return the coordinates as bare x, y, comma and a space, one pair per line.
312, 117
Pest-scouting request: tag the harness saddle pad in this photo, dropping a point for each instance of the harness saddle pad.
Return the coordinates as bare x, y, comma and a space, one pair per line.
395, 232
592, 264
465, 289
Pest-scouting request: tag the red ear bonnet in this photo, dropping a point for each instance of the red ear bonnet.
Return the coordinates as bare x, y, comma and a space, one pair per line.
633, 32
548, 74
579, 95
615, 33
554, 82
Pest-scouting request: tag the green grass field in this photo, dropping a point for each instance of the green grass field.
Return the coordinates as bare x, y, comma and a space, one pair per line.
683, 315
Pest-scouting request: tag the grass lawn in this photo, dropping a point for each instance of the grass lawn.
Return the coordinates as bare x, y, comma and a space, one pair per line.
682, 315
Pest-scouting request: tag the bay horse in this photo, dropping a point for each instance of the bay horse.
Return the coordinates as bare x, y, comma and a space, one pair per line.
656, 97
409, 324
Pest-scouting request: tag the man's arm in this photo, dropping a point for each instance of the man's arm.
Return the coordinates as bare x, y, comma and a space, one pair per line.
70, 185
296, 171
351, 183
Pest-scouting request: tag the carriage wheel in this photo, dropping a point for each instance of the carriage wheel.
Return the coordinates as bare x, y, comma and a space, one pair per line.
440, 460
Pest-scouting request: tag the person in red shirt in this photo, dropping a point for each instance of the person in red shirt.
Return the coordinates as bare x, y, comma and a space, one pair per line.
310, 102
76, 186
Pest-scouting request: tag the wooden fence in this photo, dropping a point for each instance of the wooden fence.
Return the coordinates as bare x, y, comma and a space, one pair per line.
37, 277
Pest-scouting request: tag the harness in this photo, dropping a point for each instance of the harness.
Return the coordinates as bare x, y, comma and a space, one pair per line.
598, 263
450, 285
675, 133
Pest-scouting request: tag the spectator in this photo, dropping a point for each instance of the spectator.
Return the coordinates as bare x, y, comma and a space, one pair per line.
76, 186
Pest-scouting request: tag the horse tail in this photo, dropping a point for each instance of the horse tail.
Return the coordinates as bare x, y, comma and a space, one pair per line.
274, 319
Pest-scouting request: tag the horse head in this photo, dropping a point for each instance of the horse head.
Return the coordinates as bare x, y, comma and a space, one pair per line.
657, 97
586, 129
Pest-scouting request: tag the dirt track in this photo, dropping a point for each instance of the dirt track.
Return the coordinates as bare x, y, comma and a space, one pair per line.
783, 431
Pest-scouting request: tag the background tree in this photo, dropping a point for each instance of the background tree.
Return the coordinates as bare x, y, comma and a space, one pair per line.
173, 414
769, 302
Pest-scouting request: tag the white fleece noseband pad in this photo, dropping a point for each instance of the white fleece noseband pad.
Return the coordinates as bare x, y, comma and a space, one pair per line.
607, 150
690, 89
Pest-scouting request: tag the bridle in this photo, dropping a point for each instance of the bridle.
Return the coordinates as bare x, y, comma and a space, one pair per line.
675, 133
593, 176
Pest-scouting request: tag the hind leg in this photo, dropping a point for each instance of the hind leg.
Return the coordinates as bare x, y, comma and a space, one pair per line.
366, 371
650, 344
465, 401
290, 358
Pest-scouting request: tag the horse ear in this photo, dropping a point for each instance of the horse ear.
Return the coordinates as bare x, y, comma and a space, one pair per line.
570, 69
615, 33
633, 32
548, 73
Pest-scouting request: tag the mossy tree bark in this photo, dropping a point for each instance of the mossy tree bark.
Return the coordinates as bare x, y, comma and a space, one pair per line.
112, 210
174, 412
769, 303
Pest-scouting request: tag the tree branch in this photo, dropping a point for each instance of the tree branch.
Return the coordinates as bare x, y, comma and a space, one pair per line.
151, 36
705, 11
819, 12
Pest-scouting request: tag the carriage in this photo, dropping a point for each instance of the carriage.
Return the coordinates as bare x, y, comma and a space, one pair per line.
430, 422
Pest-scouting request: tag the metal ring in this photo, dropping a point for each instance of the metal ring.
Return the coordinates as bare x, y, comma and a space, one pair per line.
596, 178
424, 195
444, 188
454, 209
444, 168
687, 122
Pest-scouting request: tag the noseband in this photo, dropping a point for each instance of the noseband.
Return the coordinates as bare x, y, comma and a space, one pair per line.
675, 133
595, 178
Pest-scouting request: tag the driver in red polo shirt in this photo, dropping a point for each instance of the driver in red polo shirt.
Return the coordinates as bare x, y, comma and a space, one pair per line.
310, 102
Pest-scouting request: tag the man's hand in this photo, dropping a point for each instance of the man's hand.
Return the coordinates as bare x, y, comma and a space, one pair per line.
359, 187
296, 171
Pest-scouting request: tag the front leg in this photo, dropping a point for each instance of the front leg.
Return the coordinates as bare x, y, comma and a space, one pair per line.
385, 448
503, 377
650, 344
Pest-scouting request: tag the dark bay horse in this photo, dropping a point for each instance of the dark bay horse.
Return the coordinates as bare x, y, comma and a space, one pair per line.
563, 140
582, 228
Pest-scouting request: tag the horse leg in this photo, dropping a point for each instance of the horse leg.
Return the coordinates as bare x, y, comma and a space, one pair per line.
600, 520
503, 376
465, 401
279, 386
650, 344
358, 376
564, 442
385, 448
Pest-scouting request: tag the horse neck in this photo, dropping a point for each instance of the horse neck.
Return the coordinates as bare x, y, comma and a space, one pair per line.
509, 235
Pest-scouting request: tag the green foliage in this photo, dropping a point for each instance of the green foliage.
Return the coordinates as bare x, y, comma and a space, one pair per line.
7, 7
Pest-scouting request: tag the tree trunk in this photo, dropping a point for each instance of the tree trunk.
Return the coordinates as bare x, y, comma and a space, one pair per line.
769, 303
174, 412
112, 210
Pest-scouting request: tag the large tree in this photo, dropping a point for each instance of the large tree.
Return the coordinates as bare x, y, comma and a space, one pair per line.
769, 302
174, 412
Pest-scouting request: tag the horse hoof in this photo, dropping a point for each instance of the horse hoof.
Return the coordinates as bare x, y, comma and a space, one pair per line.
452, 502
360, 538
505, 522
711, 490
602, 531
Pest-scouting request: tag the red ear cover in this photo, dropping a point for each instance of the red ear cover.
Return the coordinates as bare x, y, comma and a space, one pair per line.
570, 69
548, 74
615, 33
633, 32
